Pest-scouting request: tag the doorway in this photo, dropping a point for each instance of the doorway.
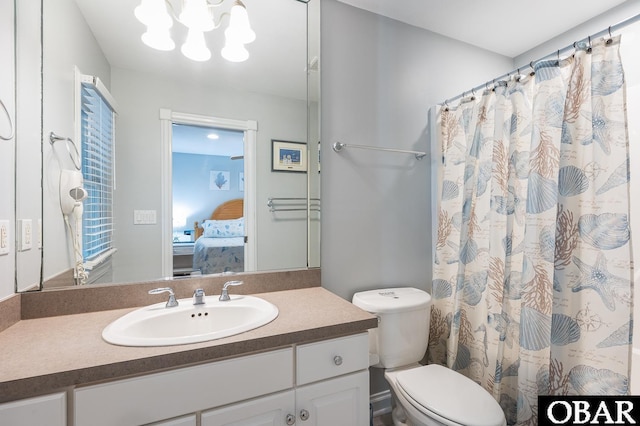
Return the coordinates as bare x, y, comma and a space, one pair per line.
207, 173
222, 180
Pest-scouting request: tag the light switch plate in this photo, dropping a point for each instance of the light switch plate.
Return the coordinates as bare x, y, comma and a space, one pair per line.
25, 234
5, 241
144, 217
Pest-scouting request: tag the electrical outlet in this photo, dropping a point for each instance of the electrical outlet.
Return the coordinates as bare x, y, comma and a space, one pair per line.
4, 237
39, 233
25, 234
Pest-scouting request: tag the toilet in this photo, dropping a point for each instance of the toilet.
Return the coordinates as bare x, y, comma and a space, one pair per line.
423, 395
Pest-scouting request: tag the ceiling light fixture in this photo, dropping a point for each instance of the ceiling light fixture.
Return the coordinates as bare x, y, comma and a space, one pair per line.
198, 17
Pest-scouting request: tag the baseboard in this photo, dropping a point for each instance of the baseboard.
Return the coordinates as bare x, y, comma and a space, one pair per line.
381, 403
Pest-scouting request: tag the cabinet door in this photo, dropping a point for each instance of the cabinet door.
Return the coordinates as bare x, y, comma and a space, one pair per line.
273, 410
50, 410
343, 401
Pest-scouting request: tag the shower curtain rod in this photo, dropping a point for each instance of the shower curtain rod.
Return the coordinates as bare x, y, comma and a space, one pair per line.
606, 31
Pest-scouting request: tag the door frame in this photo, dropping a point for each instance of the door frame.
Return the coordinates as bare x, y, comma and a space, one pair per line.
250, 128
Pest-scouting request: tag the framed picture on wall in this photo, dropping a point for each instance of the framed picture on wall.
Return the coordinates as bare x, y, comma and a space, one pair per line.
288, 156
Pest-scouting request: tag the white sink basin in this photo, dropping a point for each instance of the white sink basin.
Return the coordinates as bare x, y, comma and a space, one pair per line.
157, 325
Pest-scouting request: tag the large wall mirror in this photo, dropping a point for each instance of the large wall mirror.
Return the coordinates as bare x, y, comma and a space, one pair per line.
166, 177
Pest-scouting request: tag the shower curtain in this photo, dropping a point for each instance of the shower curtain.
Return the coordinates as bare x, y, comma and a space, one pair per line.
532, 283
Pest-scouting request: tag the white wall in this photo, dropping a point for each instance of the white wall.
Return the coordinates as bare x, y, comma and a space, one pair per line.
379, 77
7, 148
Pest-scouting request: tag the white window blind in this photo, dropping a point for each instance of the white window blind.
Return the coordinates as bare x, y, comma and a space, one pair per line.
97, 127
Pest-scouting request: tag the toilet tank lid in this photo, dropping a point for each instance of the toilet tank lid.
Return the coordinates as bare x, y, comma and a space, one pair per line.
387, 300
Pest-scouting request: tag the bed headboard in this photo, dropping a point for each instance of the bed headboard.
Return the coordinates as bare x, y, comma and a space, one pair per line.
232, 209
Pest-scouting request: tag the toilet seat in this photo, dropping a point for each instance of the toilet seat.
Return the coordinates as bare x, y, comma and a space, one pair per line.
448, 397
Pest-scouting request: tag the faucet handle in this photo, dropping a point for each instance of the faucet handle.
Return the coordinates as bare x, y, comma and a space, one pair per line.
172, 297
224, 296
198, 297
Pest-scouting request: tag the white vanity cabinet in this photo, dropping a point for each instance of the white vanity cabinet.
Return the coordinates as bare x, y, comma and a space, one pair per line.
166, 395
272, 410
333, 382
182, 421
321, 383
50, 410
332, 389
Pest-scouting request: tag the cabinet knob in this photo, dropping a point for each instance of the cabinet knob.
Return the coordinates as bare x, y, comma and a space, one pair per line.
304, 415
337, 360
290, 419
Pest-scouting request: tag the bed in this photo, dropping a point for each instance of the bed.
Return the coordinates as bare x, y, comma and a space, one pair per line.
219, 244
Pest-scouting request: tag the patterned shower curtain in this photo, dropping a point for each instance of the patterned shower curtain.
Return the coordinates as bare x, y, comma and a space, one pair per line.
532, 285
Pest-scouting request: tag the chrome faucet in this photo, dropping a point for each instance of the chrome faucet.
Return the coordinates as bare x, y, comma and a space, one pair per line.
224, 296
198, 297
172, 297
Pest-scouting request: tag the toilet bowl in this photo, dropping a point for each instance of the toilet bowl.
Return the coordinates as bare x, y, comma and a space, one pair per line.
423, 395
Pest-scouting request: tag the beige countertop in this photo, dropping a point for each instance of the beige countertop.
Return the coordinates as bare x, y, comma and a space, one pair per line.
43, 355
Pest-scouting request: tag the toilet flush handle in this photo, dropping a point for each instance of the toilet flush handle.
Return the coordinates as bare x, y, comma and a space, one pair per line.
337, 360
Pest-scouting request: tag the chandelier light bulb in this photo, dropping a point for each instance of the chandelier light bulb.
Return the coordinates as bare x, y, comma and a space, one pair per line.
239, 27
158, 38
234, 52
153, 13
195, 47
196, 15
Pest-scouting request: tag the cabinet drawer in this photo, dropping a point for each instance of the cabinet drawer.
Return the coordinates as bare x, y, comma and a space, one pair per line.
174, 393
43, 410
330, 358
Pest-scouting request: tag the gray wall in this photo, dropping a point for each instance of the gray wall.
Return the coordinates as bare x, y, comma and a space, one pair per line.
281, 241
7, 148
379, 78
63, 50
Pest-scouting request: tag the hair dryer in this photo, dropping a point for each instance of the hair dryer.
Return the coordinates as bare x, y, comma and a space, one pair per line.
71, 191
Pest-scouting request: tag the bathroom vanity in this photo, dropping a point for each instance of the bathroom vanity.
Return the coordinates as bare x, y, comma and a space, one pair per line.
309, 366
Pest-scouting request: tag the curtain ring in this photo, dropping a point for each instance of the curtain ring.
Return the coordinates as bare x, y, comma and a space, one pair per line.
589, 48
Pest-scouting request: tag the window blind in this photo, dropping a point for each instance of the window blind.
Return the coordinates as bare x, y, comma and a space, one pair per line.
97, 135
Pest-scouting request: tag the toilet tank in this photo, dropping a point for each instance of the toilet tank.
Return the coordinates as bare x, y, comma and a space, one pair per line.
403, 324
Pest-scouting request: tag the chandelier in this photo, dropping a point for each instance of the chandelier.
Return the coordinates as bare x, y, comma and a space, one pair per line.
198, 17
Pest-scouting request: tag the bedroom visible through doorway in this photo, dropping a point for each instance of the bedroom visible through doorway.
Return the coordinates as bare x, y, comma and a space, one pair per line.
207, 177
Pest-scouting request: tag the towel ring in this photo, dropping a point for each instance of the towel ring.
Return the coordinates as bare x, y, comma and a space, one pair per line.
11, 128
53, 138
